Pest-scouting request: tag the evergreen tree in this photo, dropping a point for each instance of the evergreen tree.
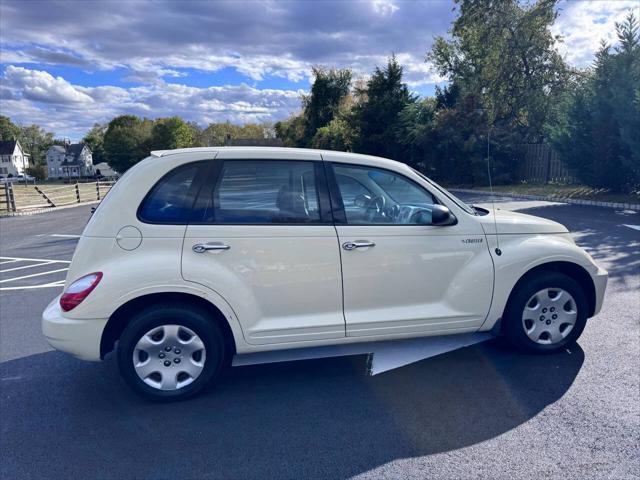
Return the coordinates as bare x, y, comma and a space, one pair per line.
330, 87
377, 116
598, 133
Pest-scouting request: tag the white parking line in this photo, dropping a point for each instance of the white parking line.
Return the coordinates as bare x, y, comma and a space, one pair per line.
19, 259
26, 266
58, 284
33, 263
62, 235
33, 275
8, 261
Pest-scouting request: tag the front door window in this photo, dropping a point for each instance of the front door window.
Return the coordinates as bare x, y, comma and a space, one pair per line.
373, 196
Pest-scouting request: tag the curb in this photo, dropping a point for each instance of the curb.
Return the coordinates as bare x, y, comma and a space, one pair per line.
38, 211
551, 198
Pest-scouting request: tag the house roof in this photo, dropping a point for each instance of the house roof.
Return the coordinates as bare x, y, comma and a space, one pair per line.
7, 147
72, 150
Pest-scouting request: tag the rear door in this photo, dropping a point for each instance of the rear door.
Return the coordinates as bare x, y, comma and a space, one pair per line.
263, 239
401, 275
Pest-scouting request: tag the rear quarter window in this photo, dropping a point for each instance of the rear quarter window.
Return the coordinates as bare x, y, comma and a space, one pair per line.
170, 201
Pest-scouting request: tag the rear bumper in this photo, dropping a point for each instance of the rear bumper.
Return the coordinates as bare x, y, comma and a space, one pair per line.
600, 279
80, 338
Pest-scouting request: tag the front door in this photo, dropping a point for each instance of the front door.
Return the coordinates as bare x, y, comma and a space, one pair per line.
401, 275
265, 242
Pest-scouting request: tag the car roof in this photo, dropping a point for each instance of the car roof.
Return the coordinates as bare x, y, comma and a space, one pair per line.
286, 153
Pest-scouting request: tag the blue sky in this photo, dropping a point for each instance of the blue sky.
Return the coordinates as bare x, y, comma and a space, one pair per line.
68, 64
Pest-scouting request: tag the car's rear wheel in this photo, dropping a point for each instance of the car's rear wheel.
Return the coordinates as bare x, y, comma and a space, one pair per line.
169, 352
545, 313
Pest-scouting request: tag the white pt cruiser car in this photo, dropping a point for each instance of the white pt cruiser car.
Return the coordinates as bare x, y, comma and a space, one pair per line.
200, 254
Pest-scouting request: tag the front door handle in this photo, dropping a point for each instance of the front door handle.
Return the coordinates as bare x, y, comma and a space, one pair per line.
204, 247
357, 244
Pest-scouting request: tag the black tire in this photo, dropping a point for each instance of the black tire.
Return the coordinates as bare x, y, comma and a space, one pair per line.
512, 323
196, 320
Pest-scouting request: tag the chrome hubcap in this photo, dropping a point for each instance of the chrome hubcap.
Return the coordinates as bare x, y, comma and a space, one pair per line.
549, 316
169, 357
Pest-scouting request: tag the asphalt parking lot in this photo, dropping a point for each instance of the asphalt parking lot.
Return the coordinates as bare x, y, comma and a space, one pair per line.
477, 412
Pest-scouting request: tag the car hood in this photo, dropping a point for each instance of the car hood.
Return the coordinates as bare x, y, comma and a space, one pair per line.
513, 222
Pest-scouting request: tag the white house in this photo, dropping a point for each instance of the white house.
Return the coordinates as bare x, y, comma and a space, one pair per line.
69, 160
13, 160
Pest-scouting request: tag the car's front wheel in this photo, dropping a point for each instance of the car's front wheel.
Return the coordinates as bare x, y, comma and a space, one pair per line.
169, 352
545, 313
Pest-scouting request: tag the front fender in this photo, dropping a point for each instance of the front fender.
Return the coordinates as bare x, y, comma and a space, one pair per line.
522, 253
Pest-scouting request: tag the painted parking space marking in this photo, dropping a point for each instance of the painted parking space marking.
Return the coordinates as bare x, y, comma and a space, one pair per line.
56, 284
34, 275
26, 266
22, 272
18, 259
9, 261
59, 235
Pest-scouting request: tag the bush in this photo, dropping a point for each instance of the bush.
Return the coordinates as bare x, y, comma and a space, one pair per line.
39, 172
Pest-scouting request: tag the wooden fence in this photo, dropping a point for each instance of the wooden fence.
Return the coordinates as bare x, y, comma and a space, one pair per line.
18, 197
541, 164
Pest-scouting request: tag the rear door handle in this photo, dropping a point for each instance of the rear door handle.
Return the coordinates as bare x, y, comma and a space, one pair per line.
204, 247
357, 244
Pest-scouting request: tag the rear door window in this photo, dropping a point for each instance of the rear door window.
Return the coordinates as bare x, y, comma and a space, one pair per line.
264, 192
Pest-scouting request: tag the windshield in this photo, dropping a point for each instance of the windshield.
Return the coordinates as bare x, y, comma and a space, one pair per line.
467, 208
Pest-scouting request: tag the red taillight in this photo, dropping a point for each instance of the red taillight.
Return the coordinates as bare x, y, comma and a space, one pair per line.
79, 290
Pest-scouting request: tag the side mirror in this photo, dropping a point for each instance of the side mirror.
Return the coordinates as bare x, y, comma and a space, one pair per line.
441, 216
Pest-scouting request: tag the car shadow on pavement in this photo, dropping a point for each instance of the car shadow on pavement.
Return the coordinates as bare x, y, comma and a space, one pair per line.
308, 419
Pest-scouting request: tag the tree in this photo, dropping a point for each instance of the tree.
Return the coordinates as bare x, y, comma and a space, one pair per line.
291, 131
414, 131
506, 77
598, 132
503, 53
36, 141
127, 141
94, 139
214, 134
338, 134
170, 133
8, 129
330, 87
252, 130
376, 116
218, 133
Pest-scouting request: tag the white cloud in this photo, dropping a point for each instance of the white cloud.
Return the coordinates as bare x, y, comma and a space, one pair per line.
258, 39
384, 7
43, 87
31, 94
584, 24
